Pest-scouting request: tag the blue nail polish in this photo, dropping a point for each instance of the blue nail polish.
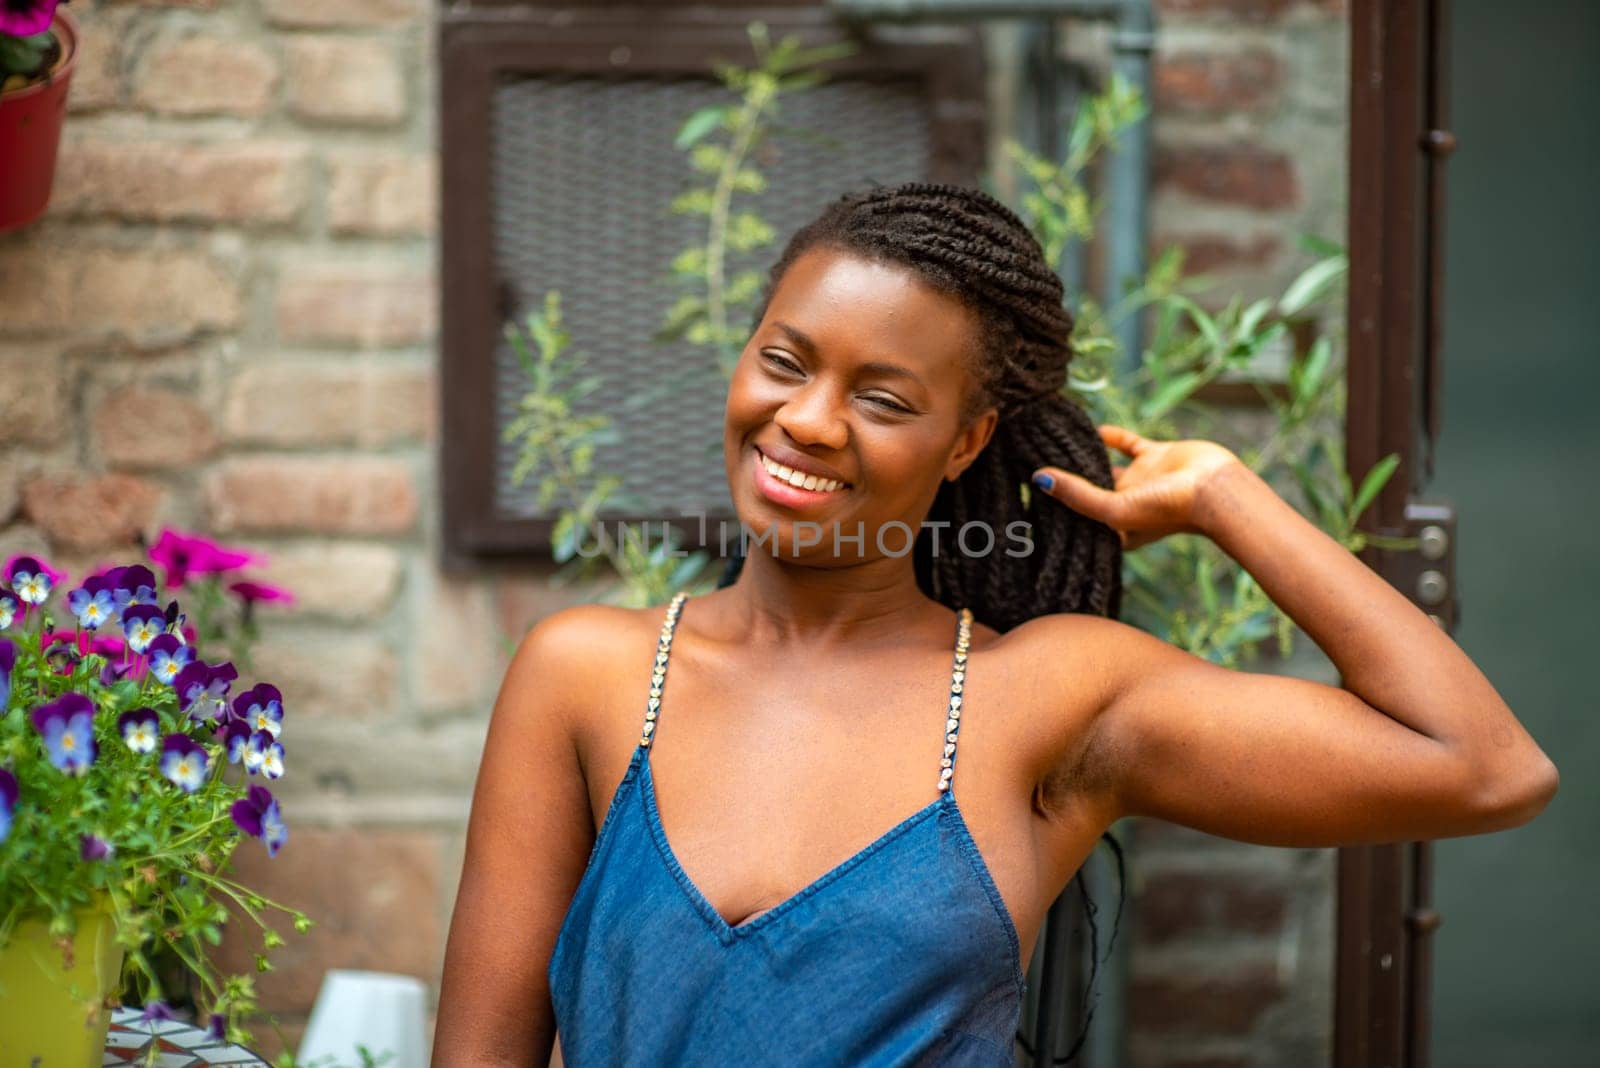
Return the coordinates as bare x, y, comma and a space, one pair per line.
1043, 481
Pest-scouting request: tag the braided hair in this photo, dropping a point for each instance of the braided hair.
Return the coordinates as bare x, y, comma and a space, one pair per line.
963, 242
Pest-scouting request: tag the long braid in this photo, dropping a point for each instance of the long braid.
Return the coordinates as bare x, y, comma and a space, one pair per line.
963, 242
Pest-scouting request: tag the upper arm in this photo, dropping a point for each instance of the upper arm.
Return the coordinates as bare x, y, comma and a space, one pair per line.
1261, 758
528, 842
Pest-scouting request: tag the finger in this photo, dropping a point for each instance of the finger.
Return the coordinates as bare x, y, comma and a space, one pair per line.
1078, 493
1121, 438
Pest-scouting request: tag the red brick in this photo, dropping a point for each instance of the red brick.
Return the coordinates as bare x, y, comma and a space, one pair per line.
201, 4
1252, 10
317, 14
345, 80
1224, 1002
465, 677
1217, 82
361, 495
10, 492
384, 196
334, 580
33, 401
149, 297
318, 403
342, 677
1238, 173
97, 80
368, 306
84, 512
152, 429
203, 75
153, 181
374, 895
1181, 904
1204, 253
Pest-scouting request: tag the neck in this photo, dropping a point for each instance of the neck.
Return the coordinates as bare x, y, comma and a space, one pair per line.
784, 602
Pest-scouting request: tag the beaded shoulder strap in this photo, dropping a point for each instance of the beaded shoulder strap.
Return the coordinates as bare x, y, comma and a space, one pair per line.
658, 672
958, 679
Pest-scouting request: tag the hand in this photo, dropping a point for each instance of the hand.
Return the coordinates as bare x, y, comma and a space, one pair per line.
1156, 495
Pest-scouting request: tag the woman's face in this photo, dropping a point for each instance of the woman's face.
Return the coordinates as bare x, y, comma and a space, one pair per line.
856, 374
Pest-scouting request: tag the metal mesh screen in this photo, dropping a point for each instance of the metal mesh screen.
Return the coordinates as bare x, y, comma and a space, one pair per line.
583, 171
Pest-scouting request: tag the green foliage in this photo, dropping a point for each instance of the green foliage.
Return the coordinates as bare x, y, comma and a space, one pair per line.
1182, 588
26, 56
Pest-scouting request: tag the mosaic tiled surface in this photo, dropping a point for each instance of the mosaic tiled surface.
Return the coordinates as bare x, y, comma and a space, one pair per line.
178, 1045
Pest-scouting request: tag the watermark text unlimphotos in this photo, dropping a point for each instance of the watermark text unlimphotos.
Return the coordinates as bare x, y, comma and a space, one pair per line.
975, 538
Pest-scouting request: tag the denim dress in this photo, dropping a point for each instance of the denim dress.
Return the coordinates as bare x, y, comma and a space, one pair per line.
904, 954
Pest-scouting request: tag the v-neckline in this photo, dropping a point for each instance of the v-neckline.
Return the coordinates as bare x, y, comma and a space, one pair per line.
727, 932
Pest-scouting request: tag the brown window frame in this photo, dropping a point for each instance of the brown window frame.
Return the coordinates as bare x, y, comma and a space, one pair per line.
480, 45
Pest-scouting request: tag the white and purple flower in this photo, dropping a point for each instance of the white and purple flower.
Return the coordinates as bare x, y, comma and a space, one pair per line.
257, 815
169, 656
31, 579
135, 584
260, 708
140, 729
235, 740
67, 726
183, 761
9, 604
142, 624
93, 603
93, 847
203, 690
8, 802
263, 754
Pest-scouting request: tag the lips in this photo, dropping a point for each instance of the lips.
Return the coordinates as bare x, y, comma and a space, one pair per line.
779, 492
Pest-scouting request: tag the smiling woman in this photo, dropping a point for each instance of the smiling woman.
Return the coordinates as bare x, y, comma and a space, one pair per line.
788, 883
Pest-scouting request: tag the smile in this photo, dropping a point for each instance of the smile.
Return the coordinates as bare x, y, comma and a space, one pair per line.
798, 479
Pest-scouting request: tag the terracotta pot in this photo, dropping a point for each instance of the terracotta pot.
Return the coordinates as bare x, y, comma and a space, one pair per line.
30, 131
51, 1015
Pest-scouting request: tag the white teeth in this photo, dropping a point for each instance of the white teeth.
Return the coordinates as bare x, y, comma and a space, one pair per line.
798, 479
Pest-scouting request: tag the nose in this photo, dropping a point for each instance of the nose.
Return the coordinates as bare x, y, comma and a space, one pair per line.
810, 417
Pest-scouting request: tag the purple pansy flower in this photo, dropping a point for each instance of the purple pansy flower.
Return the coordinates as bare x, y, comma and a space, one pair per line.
8, 661
32, 579
203, 689
135, 584
9, 603
257, 815
260, 708
142, 624
93, 847
183, 555
67, 726
139, 729
8, 802
263, 754
156, 1010
92, 603
183, 760
169, 656
24, 18
217, 1027
235, 739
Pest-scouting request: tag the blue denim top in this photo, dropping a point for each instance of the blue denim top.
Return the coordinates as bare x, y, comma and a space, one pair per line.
904, 954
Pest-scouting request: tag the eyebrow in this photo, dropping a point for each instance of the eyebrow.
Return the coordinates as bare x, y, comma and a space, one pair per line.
871, 367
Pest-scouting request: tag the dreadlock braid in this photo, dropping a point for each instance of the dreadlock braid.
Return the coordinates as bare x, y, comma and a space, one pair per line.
963, 242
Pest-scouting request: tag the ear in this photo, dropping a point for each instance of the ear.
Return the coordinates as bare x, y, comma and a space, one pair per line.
970, 443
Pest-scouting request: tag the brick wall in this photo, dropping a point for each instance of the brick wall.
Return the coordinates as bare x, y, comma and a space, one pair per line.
227, 322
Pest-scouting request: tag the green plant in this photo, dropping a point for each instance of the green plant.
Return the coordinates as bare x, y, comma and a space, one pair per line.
1184, 588
115, 741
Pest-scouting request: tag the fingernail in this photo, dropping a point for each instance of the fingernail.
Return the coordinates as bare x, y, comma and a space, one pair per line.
1043, 481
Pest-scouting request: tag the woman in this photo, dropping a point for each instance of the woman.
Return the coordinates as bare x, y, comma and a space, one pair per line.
782, 873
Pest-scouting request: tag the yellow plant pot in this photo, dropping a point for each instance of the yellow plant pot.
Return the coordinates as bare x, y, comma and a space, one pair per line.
51, 1016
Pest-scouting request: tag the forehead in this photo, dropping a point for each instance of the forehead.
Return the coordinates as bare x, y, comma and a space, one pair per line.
852, 305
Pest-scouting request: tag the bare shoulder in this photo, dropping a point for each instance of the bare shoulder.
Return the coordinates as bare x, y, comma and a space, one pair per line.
567, 663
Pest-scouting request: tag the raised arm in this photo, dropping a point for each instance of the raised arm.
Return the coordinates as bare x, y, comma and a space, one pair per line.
1416, 744
528, 841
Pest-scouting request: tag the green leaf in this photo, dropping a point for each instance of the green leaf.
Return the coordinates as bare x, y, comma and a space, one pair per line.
1311, 284
1170, 394
1373, 484
699, 124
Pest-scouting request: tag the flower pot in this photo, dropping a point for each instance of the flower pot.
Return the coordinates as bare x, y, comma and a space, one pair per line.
55, 1017
30, 131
